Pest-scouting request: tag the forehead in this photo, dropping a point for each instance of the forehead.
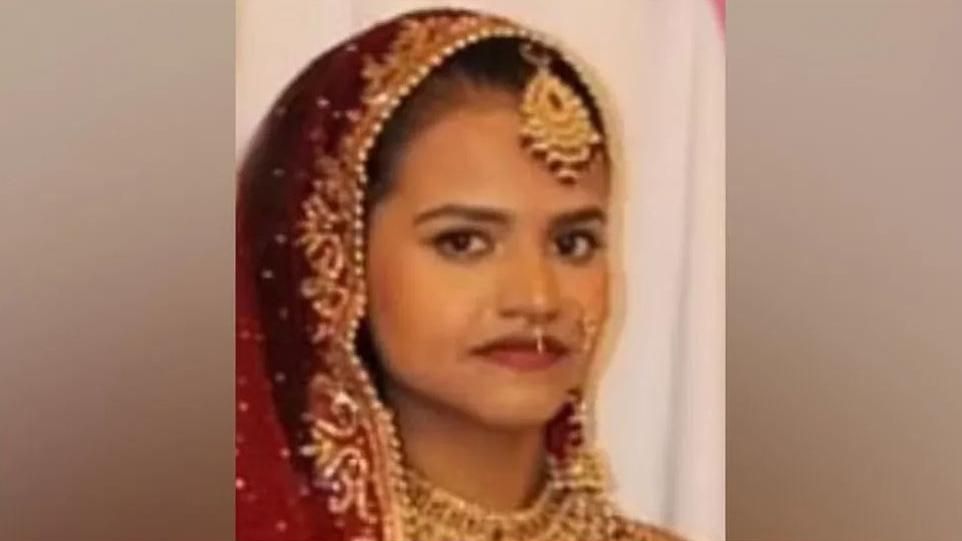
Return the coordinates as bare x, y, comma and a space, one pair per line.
472, 154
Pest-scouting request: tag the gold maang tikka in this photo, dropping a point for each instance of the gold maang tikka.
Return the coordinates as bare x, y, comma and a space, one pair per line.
556, 126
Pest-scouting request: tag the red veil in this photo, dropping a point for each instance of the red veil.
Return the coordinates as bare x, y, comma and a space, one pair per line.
316, 456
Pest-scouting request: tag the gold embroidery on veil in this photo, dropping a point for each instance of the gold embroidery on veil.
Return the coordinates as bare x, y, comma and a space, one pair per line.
348, 418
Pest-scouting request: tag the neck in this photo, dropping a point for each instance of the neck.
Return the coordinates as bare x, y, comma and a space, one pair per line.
498, 469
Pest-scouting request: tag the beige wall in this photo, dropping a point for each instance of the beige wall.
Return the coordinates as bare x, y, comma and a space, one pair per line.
844, 270
116, 271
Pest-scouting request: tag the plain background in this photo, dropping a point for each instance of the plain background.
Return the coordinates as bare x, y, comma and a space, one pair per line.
844, 271
116, 270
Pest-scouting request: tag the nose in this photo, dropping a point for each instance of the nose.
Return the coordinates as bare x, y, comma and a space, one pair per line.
529, 289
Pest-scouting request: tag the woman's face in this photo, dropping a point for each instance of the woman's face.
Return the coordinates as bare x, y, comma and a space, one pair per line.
476, 252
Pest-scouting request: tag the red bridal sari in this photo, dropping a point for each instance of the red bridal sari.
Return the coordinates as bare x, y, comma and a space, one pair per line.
317, 457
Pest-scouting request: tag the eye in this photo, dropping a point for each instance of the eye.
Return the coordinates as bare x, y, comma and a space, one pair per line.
462, 244
577, 246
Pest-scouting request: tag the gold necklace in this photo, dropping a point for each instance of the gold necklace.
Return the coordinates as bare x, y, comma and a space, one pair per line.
440, 514
558, 513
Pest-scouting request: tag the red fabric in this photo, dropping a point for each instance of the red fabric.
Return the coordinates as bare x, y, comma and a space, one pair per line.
275, 358
275, 498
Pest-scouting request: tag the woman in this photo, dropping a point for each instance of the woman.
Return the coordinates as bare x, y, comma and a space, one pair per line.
422, 276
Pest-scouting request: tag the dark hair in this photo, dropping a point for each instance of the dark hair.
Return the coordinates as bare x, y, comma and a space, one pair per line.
494, 64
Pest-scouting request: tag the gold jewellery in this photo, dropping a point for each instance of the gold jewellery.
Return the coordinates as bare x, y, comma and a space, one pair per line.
355, 446
442, 516
556, 125
589, 333
558, 513
589, 330
539, 338
571, 505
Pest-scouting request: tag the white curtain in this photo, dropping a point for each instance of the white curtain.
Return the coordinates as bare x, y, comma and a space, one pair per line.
661, 409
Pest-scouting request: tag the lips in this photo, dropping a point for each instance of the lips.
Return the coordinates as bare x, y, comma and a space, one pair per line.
522, 352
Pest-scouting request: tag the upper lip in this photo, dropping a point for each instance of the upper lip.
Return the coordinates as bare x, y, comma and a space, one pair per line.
525, 342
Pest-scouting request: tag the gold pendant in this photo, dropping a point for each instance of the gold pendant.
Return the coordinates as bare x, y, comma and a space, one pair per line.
556, 125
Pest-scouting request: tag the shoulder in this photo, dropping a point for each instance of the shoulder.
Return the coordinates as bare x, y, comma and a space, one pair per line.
627, 529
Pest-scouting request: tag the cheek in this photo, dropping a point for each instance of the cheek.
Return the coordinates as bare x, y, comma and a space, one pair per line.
604, 294
589, 287
421, 312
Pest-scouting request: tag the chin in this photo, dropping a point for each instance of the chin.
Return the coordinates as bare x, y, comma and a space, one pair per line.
517, 408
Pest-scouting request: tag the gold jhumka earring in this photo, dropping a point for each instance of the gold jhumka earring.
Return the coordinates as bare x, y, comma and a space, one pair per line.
583, 469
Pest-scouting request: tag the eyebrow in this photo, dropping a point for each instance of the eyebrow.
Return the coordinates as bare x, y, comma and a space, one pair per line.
500, 217
468, 212
578, 216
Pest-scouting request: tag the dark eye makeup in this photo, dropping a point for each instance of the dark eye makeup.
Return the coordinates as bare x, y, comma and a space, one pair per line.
577, 245
462, 244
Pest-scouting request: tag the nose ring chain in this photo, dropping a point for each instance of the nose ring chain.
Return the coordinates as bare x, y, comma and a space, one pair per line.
589, 326
539, 338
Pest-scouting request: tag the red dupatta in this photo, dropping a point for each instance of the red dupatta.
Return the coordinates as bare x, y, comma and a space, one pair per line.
316, 453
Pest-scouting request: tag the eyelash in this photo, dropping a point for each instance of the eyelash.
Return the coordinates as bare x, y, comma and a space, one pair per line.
471, 244
445, 242
593, 244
